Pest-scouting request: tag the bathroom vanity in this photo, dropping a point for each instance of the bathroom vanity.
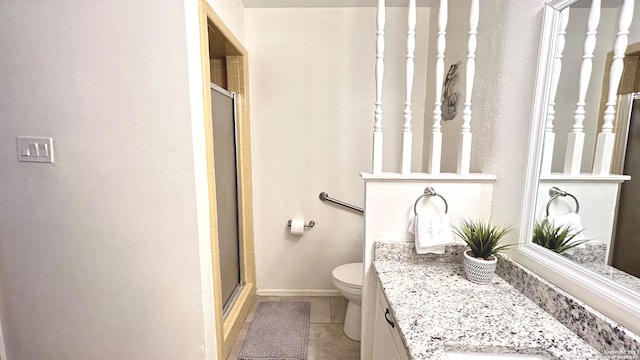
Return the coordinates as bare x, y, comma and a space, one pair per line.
427, 309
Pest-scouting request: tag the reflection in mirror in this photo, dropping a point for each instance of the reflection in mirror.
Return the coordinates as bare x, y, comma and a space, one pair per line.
588, 201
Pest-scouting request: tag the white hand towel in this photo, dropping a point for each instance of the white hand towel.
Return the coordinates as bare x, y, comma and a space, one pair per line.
431, 233
575, 224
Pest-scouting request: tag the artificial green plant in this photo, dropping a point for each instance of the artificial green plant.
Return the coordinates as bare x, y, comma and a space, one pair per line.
556, 238
482, 237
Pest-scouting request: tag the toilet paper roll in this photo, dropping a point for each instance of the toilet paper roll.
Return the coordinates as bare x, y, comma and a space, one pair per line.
297, 226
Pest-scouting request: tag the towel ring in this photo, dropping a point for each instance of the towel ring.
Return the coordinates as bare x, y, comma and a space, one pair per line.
554, 192
430, 192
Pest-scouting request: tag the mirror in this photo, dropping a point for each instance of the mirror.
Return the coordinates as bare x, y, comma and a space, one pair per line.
579, 215
585, 143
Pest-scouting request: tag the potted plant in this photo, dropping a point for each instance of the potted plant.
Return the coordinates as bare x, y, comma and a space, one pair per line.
556, 238
483, 239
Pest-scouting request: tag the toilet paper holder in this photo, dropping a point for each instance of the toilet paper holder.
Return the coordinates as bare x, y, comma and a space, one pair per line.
308, 225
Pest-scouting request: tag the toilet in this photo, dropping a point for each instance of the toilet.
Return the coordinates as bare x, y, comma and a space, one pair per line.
348, 279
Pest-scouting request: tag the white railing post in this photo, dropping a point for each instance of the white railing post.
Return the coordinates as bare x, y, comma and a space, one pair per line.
406, 127
606, 137
549, 135
436, 143
377, 126
464, 156
575, 141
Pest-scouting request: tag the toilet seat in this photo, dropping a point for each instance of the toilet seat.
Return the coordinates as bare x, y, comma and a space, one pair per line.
349, 275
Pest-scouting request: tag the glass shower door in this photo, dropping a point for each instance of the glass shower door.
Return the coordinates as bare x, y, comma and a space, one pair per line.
627, 238
223, 107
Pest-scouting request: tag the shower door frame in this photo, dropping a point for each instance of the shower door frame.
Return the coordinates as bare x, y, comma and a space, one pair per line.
226, 306
624, 105
228, 327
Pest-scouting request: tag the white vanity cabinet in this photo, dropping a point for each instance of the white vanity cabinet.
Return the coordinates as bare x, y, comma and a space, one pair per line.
387, 344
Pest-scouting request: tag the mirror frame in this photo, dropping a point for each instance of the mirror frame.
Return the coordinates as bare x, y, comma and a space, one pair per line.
609, 298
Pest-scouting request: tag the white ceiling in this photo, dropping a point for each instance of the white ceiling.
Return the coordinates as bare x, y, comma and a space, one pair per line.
329, 3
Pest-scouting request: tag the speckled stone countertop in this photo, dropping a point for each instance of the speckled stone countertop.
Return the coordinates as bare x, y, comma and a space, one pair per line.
614, 274
437, 309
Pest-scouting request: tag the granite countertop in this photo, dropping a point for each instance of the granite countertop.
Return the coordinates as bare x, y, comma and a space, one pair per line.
437, 309
611, 273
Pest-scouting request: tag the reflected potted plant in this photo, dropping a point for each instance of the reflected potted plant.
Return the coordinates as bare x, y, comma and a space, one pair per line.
483, 239
556, 238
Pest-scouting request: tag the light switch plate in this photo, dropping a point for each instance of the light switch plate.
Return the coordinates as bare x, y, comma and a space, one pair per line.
35, 149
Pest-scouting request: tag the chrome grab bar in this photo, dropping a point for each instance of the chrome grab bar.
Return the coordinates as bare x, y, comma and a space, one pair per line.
325, 197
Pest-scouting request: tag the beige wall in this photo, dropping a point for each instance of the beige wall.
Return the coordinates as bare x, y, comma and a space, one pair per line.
629, 82
218, 72
99, 251
312, 89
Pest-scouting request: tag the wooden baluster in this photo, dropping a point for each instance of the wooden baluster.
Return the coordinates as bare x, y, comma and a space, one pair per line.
464, 156
406, 127
575, 141
549, 135
377, 126
606, 137
436, 143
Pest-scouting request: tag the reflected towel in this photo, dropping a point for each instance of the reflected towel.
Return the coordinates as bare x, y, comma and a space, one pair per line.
575, 224
432, 233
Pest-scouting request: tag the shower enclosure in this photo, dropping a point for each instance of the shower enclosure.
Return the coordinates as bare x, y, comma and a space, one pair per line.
225, 152
627, 240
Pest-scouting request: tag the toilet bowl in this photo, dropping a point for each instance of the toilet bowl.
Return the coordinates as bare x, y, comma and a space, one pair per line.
348, 279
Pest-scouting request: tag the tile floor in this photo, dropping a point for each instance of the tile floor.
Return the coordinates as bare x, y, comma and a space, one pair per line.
326, 339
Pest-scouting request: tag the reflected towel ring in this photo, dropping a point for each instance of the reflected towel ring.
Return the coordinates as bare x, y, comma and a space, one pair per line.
430, 192
554, 192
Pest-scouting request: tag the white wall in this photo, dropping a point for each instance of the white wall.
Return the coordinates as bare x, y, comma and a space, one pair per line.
390, 204
510, 98
232, 14
312, 93
99, 251
196, 102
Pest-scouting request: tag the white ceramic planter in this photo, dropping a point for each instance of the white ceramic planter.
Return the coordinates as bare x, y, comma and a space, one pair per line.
479, 271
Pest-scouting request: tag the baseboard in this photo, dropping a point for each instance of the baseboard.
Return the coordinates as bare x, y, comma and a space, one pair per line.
297, 292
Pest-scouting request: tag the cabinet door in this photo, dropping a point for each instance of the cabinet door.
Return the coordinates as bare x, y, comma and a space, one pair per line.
387, 344
383, 345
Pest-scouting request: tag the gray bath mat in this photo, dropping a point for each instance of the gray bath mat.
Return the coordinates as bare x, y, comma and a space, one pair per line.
279, 331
